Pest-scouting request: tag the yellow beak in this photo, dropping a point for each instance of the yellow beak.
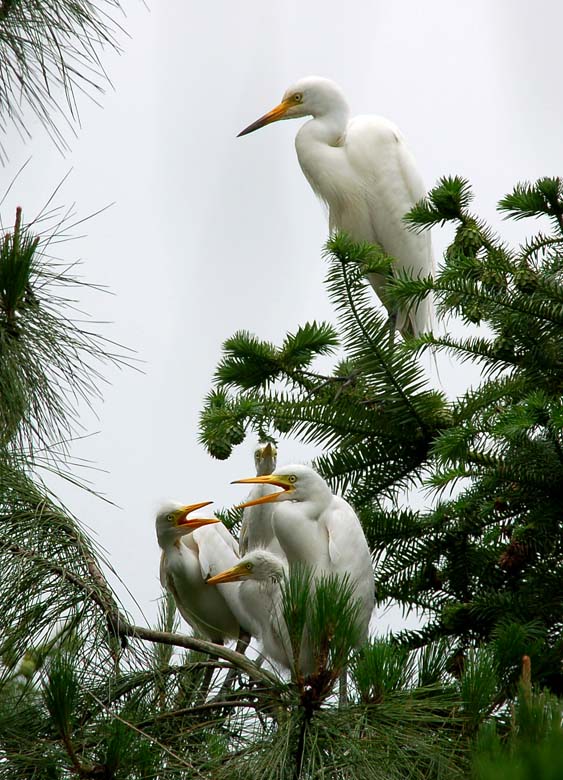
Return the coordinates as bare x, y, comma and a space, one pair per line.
190, 524
268, 450
229, 575
268, 479
276, 113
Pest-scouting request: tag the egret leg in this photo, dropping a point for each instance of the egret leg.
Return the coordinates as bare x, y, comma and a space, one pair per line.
242, 644
343, 689
206, 682
392, 322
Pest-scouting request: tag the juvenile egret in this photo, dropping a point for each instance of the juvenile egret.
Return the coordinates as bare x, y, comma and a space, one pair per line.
364, 172
319, 529
192, 550
256, 528
260, 573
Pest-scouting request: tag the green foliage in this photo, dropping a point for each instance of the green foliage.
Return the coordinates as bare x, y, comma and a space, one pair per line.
60, 693
353, 413
527, 747
381, 668
295, 600
483, 562
445, 202
49, 51
533, 200
478, 687
47, 360
321, 619
333, 623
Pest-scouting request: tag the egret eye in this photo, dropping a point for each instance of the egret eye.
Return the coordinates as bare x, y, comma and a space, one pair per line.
292, 478
298, 97
249, 566
171, 518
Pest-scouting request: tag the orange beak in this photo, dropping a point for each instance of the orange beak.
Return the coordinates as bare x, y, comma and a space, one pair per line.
276, 113
233, 574
268, 479
190, 524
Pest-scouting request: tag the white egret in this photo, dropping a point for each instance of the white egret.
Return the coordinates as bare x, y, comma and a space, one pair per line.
320, 530
192, 550
364, 172
260, 573
256, 528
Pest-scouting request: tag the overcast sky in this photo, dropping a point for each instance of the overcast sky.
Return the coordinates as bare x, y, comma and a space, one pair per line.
210, 233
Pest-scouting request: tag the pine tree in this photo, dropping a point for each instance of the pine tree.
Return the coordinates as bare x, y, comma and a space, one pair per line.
484, 564
49, 54
84, 692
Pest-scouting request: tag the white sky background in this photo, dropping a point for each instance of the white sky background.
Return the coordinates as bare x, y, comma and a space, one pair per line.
211, 233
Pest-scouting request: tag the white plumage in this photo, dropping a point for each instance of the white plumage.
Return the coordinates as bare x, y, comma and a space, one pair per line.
364, 172
320, 530
193, 550
256, 528
260, 573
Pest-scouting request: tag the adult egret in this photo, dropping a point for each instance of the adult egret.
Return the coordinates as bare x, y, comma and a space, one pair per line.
192, 550
364, 172
321, 530
260, 573
256, 528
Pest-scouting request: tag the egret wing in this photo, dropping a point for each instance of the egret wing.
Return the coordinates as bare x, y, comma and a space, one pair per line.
162, 571
216, 549
243, 536
349, 554
227, 536
386, 173
345, 536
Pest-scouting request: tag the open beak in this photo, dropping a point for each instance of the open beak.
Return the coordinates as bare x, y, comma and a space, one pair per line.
276, 113
191, 523
233, 574
268, 479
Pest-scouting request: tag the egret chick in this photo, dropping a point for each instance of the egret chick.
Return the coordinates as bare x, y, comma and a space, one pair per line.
256, 528
364, 172
260, 573
321, 530
192, 550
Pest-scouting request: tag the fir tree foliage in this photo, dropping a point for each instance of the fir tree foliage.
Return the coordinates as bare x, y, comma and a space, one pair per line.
86, 693
484, 564
353, 413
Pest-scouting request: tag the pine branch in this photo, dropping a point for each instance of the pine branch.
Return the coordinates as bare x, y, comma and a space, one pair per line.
49, 53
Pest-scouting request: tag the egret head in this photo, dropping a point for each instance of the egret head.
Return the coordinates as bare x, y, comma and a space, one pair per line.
265, 456
258, 565
172, 521
298, 483
311, 96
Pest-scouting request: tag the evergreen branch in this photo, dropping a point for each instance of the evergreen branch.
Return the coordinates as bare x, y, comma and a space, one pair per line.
378, 352
182, 761
445, 202
208, 706
101, 595
201, 646
49, 49
538, 309
537, 244
545, 196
